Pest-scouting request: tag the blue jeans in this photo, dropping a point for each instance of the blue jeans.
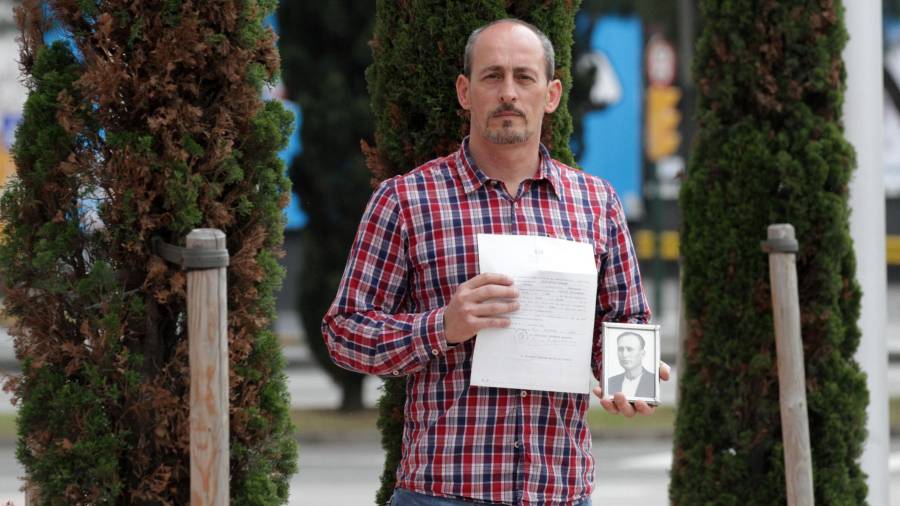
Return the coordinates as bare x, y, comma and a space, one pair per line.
406, 498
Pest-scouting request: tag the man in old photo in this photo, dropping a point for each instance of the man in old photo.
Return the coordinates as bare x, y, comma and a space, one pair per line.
636, 381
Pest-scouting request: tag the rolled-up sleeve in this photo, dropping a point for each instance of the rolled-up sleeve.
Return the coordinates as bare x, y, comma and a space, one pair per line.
365, 329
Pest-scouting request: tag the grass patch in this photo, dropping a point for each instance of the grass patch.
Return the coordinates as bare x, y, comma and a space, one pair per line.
330, 424
7, 427
662, 420
894, 415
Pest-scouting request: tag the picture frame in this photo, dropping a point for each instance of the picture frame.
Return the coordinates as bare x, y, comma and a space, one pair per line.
639, 355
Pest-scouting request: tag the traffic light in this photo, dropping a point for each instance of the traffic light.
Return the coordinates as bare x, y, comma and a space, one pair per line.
661, 137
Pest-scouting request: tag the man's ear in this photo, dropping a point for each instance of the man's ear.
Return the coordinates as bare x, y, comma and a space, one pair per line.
554, 94
462, 91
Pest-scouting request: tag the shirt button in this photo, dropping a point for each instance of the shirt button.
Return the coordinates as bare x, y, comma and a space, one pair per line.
396, 373
435, 352
524, 393
516, 444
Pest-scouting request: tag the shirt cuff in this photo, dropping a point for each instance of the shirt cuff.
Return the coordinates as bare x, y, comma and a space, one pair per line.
430, 339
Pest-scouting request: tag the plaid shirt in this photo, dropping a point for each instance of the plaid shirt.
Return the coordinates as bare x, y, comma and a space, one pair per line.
415, 245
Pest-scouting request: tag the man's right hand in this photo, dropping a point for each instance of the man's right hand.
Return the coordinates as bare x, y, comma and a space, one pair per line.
478, 304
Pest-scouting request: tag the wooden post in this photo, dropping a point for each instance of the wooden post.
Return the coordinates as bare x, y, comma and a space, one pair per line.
208, 343
781, 247
31, 494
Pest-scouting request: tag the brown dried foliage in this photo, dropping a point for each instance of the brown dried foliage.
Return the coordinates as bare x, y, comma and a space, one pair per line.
171, 76
32, 26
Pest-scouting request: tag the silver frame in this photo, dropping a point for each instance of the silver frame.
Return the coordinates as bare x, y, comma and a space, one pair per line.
651, 334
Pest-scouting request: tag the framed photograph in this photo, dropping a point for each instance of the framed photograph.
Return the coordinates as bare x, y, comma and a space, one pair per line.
631, 361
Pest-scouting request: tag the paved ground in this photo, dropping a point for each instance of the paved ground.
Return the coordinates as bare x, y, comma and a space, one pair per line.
629, 473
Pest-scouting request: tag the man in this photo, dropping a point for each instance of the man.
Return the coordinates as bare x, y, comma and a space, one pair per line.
635, 381
412, 301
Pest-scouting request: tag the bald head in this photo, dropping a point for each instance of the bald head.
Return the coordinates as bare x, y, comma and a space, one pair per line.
546, 45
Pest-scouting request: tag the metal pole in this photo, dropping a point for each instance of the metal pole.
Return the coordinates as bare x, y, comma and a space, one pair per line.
208, 348
782, 247
686, 29
863, 113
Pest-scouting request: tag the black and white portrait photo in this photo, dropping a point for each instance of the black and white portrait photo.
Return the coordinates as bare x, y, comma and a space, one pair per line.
631, 361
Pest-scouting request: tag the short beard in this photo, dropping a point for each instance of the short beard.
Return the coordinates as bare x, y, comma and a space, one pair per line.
506, 136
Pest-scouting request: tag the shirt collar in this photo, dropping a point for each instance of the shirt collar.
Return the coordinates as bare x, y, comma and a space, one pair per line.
473, 178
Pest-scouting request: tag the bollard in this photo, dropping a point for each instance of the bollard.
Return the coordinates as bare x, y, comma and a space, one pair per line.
781, 247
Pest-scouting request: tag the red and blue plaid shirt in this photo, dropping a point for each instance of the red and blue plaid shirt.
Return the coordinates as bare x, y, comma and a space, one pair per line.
415, 245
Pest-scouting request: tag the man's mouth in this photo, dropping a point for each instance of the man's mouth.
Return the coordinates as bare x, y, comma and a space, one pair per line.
506, 113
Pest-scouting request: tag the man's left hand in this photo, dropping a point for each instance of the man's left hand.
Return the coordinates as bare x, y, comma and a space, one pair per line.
618, 405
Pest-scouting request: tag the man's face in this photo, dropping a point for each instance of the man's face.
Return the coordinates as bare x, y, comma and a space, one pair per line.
630, 352
508, 92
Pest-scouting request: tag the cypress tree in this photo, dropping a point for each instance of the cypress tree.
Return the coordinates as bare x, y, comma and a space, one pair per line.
153, 127
770, 149
417, 52
328, 40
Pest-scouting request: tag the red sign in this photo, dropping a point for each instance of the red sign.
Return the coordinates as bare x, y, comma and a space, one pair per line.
661, 62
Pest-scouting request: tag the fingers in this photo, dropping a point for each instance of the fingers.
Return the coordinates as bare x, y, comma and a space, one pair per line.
497, 322
494, 308
479, 303
664, 371
607, 404
488, 278
619, 405
624, 407
643, 408
492, 291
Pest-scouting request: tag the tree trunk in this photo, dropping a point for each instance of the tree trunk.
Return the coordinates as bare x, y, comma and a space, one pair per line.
351, 393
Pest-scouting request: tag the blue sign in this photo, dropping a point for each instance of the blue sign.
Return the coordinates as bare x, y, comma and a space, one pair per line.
612, 134
296, 218
10, 122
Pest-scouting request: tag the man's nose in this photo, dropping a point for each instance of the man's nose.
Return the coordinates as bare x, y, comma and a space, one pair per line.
508, 91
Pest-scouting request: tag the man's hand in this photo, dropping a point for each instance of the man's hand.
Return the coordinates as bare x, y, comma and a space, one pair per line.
478, 304
618, 404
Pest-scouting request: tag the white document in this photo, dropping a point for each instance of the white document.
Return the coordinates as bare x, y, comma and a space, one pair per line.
548, 343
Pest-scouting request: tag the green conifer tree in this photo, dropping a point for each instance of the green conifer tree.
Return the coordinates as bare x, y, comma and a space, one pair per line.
153, 126
328, 40
770, 149
417, 53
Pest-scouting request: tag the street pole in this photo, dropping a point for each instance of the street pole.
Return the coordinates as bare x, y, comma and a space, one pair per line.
687, 28
863, 113
686, 36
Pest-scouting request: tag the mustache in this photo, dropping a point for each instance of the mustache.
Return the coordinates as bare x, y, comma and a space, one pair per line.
507, 107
